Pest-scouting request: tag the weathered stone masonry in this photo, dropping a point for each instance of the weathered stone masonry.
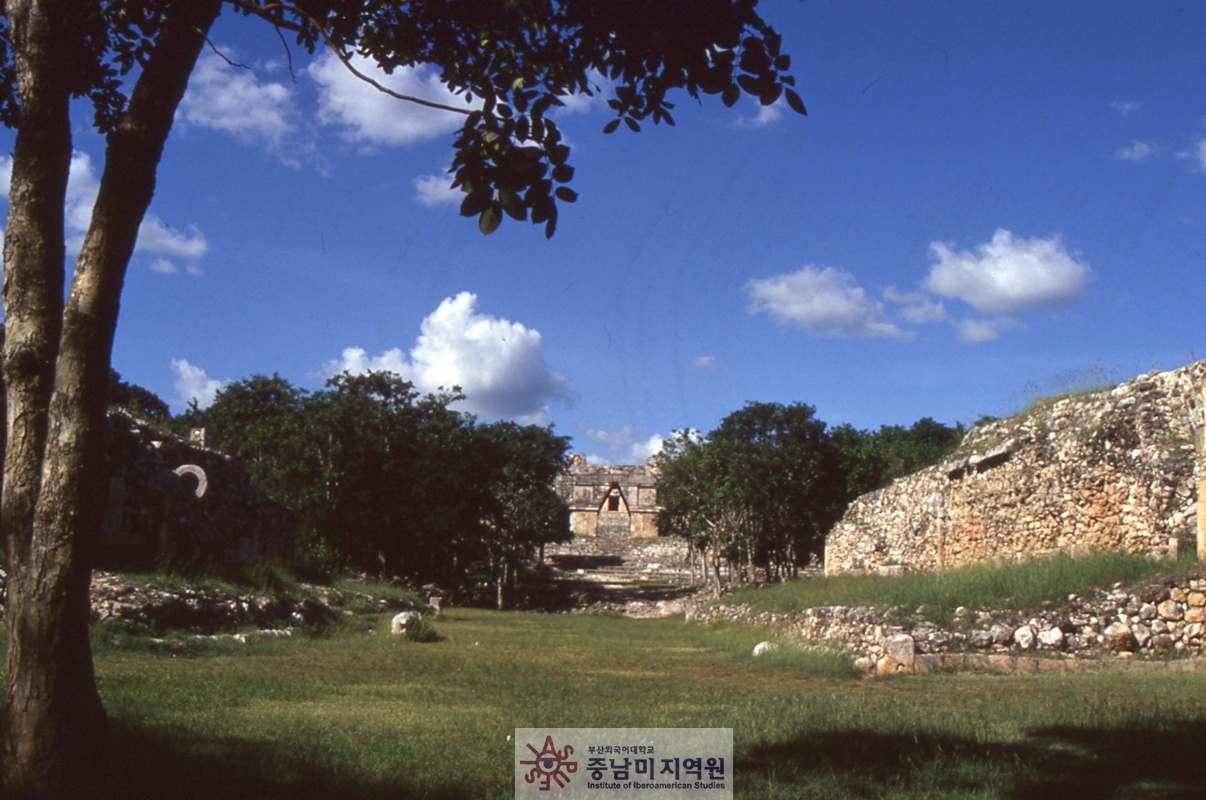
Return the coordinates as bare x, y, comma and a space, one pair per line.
610, 501
1115, 470
175, 501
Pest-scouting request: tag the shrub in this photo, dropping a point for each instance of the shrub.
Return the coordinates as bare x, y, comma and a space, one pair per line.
423, 631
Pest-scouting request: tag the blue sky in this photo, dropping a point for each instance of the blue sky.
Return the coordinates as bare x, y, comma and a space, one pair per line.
983, 198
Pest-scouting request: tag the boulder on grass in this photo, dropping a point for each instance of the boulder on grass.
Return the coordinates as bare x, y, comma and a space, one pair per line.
762, 648
403, 621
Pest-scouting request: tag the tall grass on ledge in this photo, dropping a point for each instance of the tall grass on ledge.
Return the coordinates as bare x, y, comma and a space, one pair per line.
980, 586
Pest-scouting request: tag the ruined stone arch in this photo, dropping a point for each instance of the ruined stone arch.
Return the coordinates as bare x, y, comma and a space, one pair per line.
191, 474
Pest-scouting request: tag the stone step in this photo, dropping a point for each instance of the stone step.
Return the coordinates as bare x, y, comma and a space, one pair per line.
622, 561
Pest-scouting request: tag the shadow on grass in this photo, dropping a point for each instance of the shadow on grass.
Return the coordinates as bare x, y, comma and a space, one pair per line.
1164, 762
155, 764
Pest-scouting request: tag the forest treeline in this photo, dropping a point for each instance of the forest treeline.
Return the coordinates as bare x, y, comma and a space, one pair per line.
759, 493
384, 480
394, 483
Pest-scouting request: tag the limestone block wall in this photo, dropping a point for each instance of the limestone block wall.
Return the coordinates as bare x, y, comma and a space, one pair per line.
1115, 470
171, 500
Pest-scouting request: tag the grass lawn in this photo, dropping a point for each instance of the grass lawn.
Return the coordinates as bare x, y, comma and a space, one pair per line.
977, 586
354, 715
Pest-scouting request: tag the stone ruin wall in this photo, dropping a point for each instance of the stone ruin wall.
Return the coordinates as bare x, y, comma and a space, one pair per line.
170, 500
1115, 470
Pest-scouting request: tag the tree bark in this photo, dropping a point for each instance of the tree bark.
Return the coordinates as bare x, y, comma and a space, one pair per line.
56, 366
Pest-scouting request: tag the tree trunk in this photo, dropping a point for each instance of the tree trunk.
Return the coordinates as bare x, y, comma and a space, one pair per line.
56, 366
500, 581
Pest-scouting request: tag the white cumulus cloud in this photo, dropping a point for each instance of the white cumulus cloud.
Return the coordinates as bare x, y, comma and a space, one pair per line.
436, 190
916, 307
822, 300
1136, 151
1198, 153
498, 364
767, 115
154, 235
1008, 275
975, 331
629, 445
232, 99
193, 384
372, 117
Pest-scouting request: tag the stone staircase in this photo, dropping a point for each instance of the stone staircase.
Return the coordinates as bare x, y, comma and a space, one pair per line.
622, 562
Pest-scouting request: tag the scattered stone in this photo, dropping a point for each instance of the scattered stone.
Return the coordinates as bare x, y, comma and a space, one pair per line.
1170, 610
1161, 643
1118, 637
1095, 624
402, 622
981, 640
762, 648
1052, 638
901, 648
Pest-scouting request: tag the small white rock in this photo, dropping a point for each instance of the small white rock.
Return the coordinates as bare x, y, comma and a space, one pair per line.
762, 648
402, 622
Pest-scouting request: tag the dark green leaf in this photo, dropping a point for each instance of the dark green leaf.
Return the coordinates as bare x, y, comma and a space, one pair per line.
474, 203
563, 173
566, 194
632, 124
770, 94
754, 58
490, 219
730, 95
794, 101
611, 126
512, 204
540, 212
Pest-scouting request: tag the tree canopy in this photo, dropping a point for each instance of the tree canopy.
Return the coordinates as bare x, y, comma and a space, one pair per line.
394, 484
761, 490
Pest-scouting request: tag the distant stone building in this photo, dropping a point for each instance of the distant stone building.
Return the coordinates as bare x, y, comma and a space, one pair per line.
610, 501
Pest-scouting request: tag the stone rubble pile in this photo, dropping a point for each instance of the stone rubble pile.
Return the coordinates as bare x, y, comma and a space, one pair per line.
200, 610
205, 612
1153, 621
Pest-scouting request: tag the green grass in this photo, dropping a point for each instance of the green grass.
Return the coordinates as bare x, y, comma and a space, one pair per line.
1076, 383
228, 578
353, 716
982, 586
382, 591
